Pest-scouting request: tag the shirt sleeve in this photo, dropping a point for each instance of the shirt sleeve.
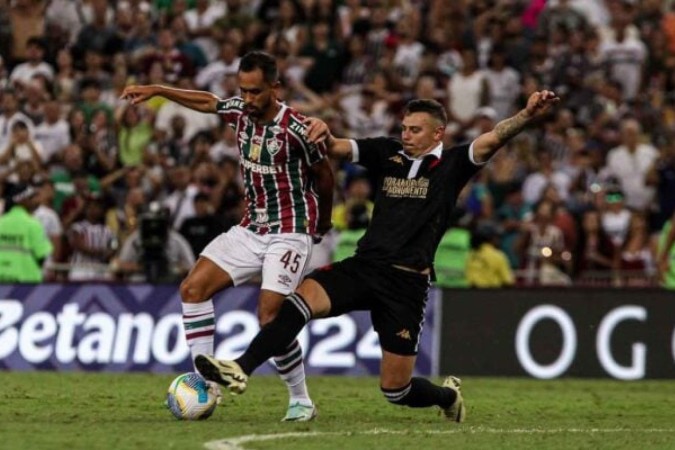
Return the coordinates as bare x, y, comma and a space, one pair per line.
230, 109
371, 152
464, 167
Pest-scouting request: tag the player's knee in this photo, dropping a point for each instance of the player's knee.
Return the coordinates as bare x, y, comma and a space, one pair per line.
266, 316
191, 292
397, 395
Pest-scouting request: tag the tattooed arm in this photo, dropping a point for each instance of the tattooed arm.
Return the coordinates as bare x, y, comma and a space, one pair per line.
488, 143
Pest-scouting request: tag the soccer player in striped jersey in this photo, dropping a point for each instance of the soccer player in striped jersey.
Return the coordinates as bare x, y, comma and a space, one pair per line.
289, 189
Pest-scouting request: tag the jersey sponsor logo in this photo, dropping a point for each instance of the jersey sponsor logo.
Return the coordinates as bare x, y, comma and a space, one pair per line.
261, 168
273, 146
405, 188
397, 159
404, 334
297, 128
233, 103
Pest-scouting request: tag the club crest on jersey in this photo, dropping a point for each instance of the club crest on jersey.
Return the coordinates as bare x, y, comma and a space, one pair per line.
397, 159
273, 146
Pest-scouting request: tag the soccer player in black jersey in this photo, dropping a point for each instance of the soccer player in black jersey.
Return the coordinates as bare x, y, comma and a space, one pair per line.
418, 185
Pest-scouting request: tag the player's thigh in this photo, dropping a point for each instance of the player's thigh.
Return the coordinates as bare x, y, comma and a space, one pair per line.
338, 288
398, 312
396, 370
239, 253
203, 281
284, 263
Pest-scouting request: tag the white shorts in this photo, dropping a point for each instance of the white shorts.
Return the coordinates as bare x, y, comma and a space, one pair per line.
280, 258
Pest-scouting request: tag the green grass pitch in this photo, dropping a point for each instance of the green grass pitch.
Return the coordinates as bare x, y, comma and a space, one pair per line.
125, 411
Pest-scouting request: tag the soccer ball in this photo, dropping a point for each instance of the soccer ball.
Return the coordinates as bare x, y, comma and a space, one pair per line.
189, 397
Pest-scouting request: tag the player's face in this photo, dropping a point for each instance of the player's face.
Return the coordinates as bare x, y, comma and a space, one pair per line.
420, 132
259, 96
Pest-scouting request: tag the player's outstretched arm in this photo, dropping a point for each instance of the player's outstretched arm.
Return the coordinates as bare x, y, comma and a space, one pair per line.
318, 131
488, 143
202, 101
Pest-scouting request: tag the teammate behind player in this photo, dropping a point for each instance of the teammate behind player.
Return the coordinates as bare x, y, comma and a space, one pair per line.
289, 188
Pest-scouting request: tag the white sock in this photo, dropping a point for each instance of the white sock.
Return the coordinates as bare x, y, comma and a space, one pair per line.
292, 370
199, 323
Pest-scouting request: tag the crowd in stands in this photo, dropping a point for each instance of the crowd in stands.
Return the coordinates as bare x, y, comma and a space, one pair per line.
582, 197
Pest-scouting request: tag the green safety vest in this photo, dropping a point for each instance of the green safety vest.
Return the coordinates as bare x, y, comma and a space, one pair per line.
669, 277
451, 258
23, 242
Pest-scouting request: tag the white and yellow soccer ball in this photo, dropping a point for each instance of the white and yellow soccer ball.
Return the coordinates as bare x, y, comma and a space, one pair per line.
189, 397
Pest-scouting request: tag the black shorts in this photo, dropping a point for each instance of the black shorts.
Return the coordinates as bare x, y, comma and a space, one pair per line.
395, 298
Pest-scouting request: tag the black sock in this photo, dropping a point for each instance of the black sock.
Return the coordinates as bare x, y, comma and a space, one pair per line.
421, 393
275, 337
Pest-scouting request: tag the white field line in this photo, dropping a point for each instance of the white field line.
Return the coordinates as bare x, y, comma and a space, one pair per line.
235, 443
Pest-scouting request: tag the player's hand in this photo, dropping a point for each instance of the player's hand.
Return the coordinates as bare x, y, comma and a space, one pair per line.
540, 103
138, 94
317, 130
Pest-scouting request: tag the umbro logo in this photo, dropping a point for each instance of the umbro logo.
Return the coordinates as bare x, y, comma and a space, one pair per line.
397, 159
404, 334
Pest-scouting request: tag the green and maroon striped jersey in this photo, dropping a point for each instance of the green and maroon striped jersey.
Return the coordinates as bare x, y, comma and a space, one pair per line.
275, 158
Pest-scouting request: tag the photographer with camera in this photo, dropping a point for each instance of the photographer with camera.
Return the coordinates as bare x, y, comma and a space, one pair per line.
154, 252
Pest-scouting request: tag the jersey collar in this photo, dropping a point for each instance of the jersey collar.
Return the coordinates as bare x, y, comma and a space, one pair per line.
436, 153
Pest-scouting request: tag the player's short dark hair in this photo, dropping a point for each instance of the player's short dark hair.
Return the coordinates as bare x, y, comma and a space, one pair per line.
263, 61
429, 106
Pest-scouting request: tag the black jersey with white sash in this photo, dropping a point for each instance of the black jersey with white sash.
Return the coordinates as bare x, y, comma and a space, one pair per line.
413, 200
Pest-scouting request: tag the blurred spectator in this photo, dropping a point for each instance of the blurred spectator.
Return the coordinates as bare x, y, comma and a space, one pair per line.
541, 245
10, 115
26, 19
22, 147
503, 82
636, 258
536, 182
73, 165
194, 121
511, 214
487, 267
50, 220
180, 203
23, 241
358, 191
35, 64
468, 89
211, 76
135, 133
595, 251
204, 226
615, 217
630, 163
92, 242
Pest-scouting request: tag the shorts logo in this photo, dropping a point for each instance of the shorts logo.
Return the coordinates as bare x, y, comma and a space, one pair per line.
285, 280
404, 334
